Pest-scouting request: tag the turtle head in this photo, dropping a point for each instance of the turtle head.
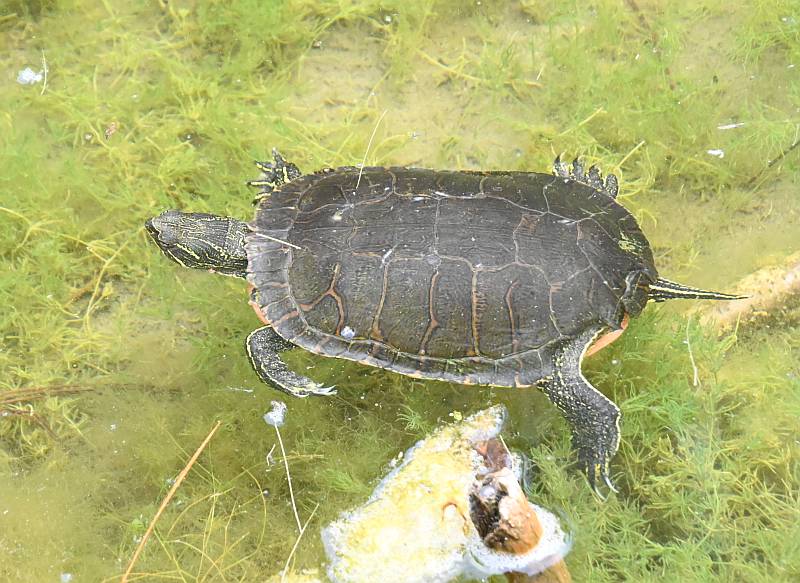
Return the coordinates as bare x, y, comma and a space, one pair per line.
201, 241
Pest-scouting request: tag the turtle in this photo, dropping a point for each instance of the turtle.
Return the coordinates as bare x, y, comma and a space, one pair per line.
500, 278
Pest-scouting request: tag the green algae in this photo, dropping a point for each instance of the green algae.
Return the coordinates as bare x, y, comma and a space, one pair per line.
165, 105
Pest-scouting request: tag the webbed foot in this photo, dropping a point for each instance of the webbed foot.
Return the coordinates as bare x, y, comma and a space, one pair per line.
595, 446
263, 348
274, 173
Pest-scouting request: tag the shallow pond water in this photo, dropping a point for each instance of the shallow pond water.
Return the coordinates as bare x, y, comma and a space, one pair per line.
117, 363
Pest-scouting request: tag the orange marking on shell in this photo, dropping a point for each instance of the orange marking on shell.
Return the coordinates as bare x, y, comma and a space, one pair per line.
608, 338
256, 308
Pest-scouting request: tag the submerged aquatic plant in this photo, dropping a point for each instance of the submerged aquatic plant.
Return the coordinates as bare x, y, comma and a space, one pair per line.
163, 105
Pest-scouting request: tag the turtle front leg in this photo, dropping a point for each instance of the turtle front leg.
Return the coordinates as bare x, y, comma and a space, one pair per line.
273, 174
263, 348
593, 417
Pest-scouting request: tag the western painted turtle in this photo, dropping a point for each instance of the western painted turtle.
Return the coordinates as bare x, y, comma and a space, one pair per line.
490, 278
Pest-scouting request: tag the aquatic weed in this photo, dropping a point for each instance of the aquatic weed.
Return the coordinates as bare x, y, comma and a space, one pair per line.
165, 105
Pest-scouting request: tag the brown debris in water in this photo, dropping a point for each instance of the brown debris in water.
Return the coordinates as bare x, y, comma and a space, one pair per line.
453, 508
767, 289
502, 515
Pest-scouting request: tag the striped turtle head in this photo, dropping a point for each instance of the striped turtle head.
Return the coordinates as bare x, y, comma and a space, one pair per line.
201, 241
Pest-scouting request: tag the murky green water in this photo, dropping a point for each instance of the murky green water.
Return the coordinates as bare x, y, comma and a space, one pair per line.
116, 363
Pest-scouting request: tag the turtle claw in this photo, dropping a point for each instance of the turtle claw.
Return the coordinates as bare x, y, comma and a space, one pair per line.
265, 167
311, 389
593, 178
560, 168
611, 186
320, 391
609, 483
577, 170
596, 471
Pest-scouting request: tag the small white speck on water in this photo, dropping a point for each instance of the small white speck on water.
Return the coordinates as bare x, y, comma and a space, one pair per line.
276, 415
348, 333
730, 126
718, 153
29, 77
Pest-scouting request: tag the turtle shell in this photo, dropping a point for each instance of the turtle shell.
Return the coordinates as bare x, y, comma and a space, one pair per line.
472, 277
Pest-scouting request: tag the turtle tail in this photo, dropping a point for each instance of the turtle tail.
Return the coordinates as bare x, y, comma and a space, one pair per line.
663, 290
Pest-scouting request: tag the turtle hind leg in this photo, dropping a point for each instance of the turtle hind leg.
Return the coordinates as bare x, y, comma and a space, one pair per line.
264, 347
594, 418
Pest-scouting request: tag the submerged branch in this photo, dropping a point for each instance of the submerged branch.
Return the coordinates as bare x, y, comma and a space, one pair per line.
167, 498
17, 396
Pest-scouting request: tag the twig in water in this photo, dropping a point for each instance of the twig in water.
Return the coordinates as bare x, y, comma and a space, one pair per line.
696, 376
595, 113
629, 154
776, 159
275, 418
44, 70
297, 543
96, 292
289, 479
369, 145
783, 154
16, 396
167, 499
